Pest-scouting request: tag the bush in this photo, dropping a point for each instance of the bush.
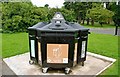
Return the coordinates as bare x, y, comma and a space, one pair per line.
18, 16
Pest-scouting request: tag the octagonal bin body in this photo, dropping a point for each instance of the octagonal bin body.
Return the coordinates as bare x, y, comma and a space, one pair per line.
58, 44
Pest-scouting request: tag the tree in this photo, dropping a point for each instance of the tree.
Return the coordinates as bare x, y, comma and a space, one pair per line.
79, 8
13, 14
46, 5
116, 18
18, 16
99, 14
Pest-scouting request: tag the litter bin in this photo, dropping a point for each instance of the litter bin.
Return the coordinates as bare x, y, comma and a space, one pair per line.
58, 44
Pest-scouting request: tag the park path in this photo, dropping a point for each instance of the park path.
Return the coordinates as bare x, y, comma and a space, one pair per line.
7, 71
105, 30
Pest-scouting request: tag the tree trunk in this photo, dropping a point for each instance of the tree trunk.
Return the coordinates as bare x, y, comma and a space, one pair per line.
88, 21
108, 21
92, 22
116, 30
83, 21
79, 20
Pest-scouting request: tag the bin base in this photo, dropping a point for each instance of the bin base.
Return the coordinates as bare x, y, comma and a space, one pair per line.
21, 62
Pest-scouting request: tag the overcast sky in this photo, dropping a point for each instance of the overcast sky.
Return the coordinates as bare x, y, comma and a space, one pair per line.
52, 3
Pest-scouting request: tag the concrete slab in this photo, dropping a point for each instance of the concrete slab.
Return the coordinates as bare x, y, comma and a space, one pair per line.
94, 65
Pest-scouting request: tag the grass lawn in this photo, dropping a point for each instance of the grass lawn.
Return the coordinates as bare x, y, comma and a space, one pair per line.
14, 44
106, 45
0, 44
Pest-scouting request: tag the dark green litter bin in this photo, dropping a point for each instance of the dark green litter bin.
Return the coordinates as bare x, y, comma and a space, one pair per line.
58, 44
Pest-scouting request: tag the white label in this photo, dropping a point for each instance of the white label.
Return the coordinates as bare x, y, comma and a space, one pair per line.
32, 48
57, 21
83, 49
65, 60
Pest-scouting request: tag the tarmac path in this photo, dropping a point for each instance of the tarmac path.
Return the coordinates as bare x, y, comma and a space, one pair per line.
105, 30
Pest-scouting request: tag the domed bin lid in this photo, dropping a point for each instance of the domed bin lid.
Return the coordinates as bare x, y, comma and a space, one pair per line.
58, 24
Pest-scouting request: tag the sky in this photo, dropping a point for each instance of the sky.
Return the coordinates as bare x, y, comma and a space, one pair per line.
51, 3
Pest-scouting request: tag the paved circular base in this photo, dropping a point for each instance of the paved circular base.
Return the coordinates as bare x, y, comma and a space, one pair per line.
93, 66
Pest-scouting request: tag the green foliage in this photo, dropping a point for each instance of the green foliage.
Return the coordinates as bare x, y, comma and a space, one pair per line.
18, 16
68, 14
112, 6
116, 17
79, 8
98, 13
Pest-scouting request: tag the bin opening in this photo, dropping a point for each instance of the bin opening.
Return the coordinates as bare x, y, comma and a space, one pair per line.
57, 21
58, 25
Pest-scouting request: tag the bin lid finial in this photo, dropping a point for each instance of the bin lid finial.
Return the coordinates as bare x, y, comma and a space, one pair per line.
58, 15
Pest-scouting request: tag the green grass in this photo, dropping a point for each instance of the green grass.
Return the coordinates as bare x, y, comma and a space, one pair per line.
14, 44
107, 45
0, 44
103, 44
